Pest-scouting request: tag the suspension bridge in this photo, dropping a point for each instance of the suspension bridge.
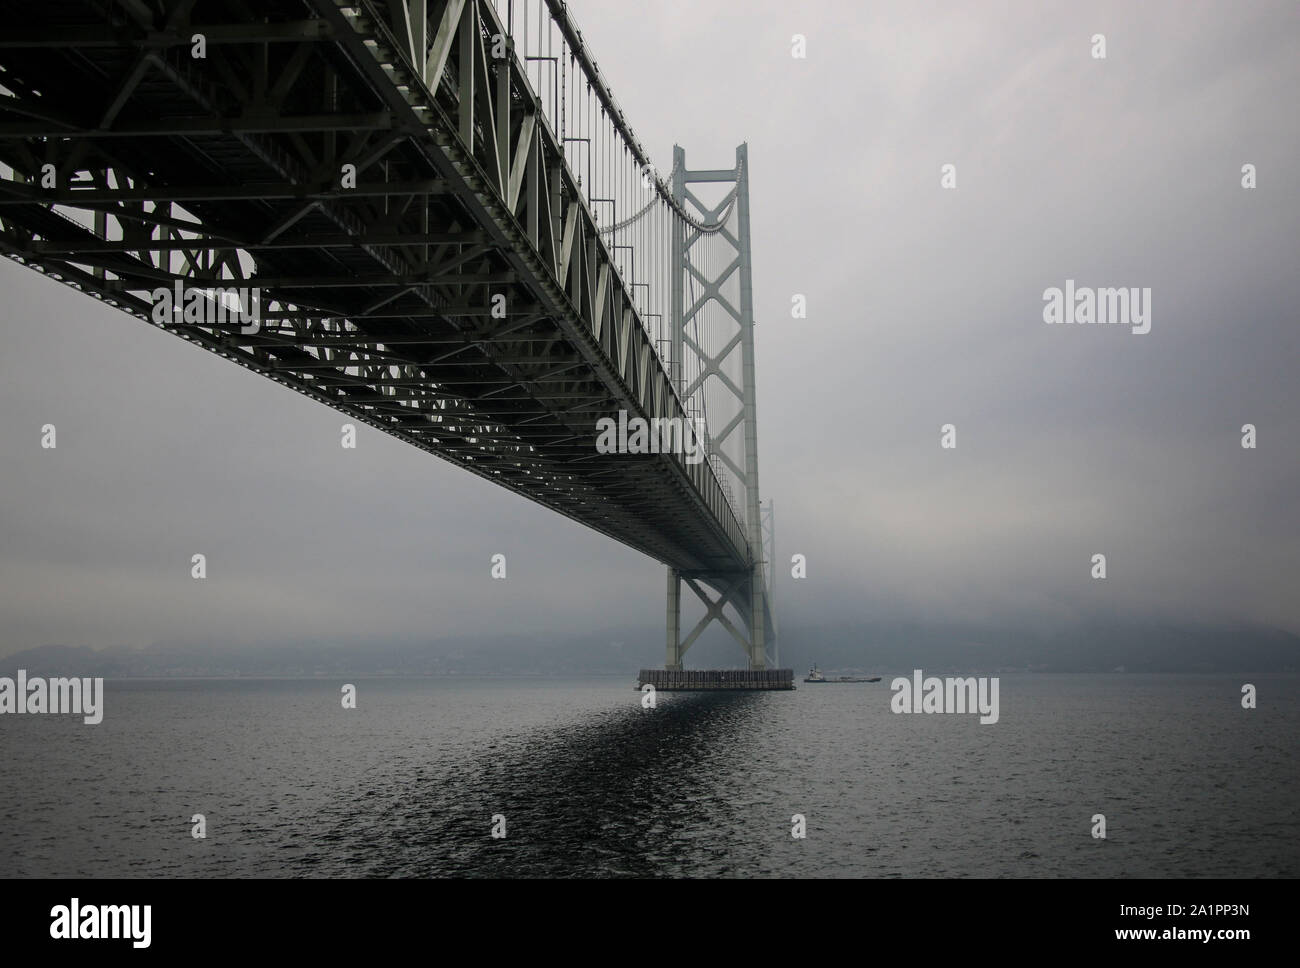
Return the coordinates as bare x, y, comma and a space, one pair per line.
432, 216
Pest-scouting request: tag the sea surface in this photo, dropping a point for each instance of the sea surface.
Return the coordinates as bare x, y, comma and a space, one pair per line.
592, 785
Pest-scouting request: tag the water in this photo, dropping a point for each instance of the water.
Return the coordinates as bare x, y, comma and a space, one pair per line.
591, 785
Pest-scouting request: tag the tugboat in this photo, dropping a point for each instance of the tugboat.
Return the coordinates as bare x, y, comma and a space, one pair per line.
815, 675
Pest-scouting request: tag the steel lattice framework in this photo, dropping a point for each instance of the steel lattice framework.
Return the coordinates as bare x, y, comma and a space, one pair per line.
457, 238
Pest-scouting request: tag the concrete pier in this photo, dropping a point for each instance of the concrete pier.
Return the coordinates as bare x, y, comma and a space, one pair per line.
713, 680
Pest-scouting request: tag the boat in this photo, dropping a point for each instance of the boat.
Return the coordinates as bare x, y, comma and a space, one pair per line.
815, 675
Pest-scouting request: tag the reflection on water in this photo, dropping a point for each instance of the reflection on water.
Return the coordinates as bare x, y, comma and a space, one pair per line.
627, 792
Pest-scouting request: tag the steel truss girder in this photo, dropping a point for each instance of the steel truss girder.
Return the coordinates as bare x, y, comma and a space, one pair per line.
369, 288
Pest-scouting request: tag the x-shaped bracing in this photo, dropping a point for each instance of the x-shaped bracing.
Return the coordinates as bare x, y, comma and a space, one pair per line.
714, 612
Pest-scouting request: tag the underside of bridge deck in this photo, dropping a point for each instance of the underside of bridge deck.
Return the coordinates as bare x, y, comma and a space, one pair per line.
423, 258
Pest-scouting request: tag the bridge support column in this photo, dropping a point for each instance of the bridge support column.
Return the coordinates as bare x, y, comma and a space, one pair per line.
673, 658
712, 294
757, 645
730, 588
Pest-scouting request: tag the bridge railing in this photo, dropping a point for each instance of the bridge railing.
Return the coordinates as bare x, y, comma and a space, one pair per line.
627, 196
631, 198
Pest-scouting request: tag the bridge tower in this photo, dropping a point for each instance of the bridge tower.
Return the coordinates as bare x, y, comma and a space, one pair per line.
719, 284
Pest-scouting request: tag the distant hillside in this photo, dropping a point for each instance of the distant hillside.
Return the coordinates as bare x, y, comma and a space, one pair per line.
1093, 647
78, 660
875, 648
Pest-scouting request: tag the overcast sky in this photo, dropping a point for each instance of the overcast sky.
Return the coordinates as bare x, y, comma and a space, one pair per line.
924, 308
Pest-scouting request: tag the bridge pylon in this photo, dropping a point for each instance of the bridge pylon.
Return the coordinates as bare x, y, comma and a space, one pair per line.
712, 337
